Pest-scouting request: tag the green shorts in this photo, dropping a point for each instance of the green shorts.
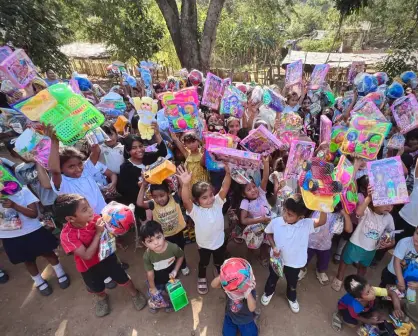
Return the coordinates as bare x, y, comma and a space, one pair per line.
356, 254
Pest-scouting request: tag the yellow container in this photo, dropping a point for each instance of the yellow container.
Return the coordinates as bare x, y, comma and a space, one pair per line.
159, 171
120, 124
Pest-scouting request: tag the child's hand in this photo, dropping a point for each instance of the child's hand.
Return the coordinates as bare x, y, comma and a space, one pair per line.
50, 132
369, 191
266, 160
276, 252
8, 204
111, 187
413, 285
183, 175
265, 220
398, 313
154, 126
100, 225
153, 290
401, 285
172, 274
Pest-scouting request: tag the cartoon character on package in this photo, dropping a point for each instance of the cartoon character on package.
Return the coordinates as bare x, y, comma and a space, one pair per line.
405, 112
369, 109
212, 91
397, 141
318, 76
299, 152
232, 102
18, 68
294, 73
262, 141
355, 68
32, 145
273, 100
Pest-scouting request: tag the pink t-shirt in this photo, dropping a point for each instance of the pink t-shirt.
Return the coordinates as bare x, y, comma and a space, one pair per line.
257, 208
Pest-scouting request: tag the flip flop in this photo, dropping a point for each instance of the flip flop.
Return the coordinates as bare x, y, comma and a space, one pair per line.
337, 324
202, 286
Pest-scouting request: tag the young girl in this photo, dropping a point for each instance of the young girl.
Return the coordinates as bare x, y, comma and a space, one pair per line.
167, 212
320, 242
111, 152
361, 248
255, 209
206, 212
233, 125
288, 236
24, 245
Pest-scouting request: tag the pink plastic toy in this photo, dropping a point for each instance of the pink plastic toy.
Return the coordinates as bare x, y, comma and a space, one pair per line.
261, 141
294, 73
397, 141
388, 182
405, 112
299, 152
325, 129
369, 109
212, 91
18, 68
355, 68
318, 76
235, 157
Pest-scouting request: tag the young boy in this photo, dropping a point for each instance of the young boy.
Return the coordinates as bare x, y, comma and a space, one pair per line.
162, 261
81, 236
111, 152
358, 305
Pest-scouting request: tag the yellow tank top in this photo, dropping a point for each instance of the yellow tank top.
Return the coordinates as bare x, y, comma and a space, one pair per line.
170, 217
193, 165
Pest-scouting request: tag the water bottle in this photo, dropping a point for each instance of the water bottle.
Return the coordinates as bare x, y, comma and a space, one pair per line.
411, 295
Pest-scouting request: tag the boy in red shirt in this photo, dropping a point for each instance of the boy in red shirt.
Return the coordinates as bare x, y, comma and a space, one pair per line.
81, 236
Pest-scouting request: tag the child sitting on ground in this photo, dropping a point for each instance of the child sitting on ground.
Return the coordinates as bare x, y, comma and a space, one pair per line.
81, 236
162, 261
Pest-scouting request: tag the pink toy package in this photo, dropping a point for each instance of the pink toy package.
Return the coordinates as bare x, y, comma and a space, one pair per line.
294, 73
18, 68
355, 68
405, 112
212, 92
388, 182
218, 140
261, 141
318, 76
397, 141
235, 157
5, 52
299, 152
325, 129
368, 108
31, 145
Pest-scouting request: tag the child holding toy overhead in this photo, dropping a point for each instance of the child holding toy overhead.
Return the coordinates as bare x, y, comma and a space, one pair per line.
288, 236
366, 239
111, 152
206, 211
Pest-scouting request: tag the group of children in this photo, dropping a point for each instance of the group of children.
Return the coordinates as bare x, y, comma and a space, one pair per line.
77, 186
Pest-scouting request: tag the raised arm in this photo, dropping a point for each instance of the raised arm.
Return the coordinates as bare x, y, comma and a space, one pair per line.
226, 183
141, 195
43, 176
363, 206
266, 173
185, 178
348, 225
179, 144
321, 220
54, 157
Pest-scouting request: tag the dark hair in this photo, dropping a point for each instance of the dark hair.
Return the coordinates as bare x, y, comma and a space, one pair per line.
190, 137
108, 128
411, 135
291, 95
354, 285
66, 205
243, 132
408, 161
295, 204
150, 229
199, 188
279, 165
128, 142
68, 153
363, 183
163, 187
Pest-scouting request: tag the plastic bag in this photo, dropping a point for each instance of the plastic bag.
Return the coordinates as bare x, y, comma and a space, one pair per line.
277, 265
254, 235
107, 245
9, 219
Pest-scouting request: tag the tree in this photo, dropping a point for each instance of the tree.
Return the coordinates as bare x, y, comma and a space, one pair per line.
36, 27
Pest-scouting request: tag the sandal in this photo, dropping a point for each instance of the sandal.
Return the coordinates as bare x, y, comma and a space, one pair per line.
66, 283
337, 324
47, 290
336, 284
102, 307
139, 301
202, 286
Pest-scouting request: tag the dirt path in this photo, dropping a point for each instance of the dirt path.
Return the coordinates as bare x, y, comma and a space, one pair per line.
23, 312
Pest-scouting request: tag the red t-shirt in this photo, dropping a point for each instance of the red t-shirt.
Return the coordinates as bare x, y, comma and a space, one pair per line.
72, 238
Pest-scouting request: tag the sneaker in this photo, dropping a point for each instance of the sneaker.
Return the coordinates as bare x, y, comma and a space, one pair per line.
322, 278
102, 307
185, 271
302, 273
336, 285
294, 306
139, 301
265, 300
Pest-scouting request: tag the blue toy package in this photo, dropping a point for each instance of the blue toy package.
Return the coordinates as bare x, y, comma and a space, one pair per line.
212, 165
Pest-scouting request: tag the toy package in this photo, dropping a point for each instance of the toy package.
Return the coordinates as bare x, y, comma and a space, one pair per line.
107, 245
212, 91
344, 172
273, 100
254, 235
219, 140
388, 182
159, 171
405, 112
337, 137
96, 136
112, 104
241, 175
232, 102
9, 219
318, 76
9, 185
31, 145
368, 109
261, 141
277, 266
120, 124
235, 157
349, 197
355, 68
177, 294
5, 52
294, 72
397, 141
18, 68
299, 152
325, 129
70, 114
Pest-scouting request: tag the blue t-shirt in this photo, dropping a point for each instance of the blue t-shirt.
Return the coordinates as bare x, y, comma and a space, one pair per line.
238, 312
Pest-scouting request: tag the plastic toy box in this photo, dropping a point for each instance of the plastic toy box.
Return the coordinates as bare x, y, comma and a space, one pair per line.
261, 141
159, 171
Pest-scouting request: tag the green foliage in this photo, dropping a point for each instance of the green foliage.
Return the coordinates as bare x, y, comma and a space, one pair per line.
323, 45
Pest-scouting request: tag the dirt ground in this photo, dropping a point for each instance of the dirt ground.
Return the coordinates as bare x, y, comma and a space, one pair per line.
70, 312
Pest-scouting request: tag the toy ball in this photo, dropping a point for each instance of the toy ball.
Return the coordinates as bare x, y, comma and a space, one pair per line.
408, 76
236, 275
242, 87
382, 78
394, 91
195, 77
119, 218
365, 83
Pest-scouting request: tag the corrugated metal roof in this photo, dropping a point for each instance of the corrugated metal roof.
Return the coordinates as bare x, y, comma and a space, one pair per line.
86, 50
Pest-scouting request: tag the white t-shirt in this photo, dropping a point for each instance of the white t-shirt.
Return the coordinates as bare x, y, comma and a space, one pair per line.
112, 158
404, 250
370, 228
85, 186
292, 240
409, 212
209, 224
23, 198
257, 208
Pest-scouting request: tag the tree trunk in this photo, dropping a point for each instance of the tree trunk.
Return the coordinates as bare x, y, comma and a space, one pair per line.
183, 31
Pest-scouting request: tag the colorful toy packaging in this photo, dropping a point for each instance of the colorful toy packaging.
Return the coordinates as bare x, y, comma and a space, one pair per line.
344, 172
277, 266
96, 136
294, 72
355, 68
235, 157
70, 114
232, 102
369, 109
220, 140
18, 68
273, 100
9, 219
253, 235
318, 76
111, 104
261, 141
388, 182
237, 278
299, 152
212, 91
31, 145
337, 138
120, 124
5, 51
397, 141
325, 129
159, 171
405, 112
9, 185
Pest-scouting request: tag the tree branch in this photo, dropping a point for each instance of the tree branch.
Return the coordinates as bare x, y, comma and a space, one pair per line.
171, 15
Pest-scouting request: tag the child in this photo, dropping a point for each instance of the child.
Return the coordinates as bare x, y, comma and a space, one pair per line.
111, 152
81, 236
167, 212
255, 209
162, 260
24, 245
288, 236
233, 125
320, 242
206, 212
358, 305
361, 248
